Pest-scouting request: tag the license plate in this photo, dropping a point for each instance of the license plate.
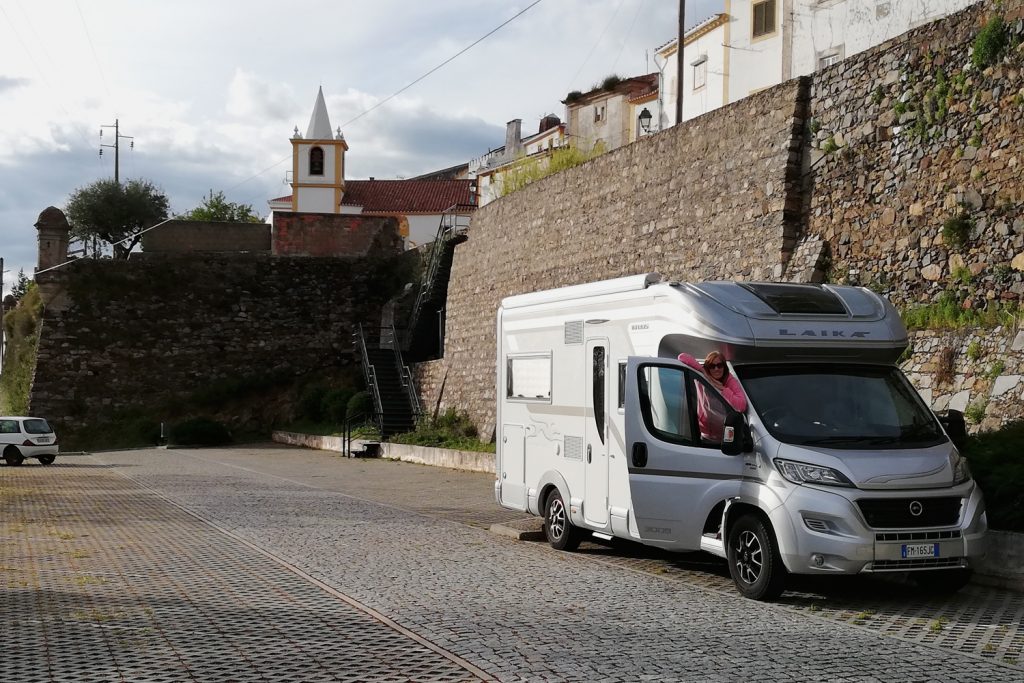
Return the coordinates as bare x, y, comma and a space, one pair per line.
910, 552
44, 439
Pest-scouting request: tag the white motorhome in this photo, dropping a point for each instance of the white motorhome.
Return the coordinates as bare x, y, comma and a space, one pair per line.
836, 466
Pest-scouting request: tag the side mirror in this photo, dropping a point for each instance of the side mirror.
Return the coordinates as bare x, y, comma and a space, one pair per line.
956, 427
736, 437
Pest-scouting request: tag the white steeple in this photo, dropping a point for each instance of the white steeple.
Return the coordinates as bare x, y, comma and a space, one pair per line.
319, 123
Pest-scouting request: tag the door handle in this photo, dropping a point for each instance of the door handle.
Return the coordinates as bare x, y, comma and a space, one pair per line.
588, 453
639, 454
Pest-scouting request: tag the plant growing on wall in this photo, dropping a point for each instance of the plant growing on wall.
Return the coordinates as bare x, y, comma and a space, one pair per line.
990, 43
956, 231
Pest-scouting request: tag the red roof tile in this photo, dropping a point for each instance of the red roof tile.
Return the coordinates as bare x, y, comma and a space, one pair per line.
407, 196
404, 196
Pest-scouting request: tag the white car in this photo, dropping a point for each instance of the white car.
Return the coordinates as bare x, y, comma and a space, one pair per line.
27, 437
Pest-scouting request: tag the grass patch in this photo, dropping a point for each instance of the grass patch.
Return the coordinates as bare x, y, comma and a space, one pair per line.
451, 429
22, 329
948, 313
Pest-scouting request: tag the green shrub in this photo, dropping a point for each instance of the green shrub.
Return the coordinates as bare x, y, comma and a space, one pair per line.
335, 404
990, 43
975, 412
199, 431
20, 326
948, 313
610, 82
359, 406
310, 405
956, 231
451, 429
998, 467
974, 351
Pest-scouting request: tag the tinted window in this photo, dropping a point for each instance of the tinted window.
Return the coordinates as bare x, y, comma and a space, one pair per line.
37, 426
840, 406
9, 427
598, 369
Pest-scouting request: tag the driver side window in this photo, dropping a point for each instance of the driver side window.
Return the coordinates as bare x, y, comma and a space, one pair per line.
711, 412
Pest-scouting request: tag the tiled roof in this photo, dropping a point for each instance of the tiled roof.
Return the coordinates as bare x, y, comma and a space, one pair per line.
404, 196
407, 196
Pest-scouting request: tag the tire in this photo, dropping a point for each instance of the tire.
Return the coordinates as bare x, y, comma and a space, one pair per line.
560, 532
13, 457
47, 459
942, 581
754, 562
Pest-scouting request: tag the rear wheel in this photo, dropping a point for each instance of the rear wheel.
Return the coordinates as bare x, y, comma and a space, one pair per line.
942, 581
560, 532
754, 562
13, 457
47, 459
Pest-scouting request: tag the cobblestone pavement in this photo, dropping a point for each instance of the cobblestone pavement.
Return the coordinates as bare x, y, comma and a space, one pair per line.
399, 540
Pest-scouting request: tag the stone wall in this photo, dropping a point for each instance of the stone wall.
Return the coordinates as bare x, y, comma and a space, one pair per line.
711, 199
827, 177
191, 236
910, 135
148, 334
328, 234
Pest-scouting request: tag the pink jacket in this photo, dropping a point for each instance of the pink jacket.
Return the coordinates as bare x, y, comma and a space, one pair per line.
709, 415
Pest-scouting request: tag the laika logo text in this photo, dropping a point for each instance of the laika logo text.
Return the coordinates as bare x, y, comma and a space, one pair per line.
858, 334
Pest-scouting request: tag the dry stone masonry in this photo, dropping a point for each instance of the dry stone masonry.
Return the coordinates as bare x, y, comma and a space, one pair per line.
899, 169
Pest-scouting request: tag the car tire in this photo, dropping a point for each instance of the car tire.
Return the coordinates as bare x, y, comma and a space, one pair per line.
942, 581
560, 532
754, 561
13, 457
47, 459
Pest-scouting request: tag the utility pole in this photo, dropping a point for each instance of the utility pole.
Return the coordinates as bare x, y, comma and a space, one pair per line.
117, 148
679, 62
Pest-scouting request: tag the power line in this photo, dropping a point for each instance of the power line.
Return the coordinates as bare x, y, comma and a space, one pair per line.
92, 47
594, 46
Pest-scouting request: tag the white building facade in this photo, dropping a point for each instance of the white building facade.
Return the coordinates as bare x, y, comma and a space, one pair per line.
756, 44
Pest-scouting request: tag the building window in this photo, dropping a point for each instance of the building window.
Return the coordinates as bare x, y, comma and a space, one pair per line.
700, 72
528, 377
599, 113
764, 18
827, 60
316, 161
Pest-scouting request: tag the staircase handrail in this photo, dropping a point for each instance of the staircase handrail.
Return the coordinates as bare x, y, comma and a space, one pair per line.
370, 376
448, 228
404, 373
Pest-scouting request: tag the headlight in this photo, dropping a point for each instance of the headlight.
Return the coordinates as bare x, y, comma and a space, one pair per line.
961, 472
803, 473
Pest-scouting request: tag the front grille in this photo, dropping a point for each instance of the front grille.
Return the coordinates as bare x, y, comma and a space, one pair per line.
919, 563
896, 513
918, 535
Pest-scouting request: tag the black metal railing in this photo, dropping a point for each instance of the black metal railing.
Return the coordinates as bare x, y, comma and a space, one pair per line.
370, 375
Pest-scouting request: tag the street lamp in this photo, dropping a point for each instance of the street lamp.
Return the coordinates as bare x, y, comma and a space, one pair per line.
645, 120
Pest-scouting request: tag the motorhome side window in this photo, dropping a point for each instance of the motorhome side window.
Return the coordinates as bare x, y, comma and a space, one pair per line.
622, 385
664, 403
528, 377
711, 412
598, 370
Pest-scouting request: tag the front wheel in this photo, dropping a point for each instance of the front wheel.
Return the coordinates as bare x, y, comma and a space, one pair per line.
47, 459
13, 457
754, 562
560, 532
942, 581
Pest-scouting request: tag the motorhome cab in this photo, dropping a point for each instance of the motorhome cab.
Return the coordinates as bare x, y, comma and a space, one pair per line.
836, 466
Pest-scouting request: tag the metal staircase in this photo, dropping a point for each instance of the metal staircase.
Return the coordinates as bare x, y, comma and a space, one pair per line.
424, 339
389, 381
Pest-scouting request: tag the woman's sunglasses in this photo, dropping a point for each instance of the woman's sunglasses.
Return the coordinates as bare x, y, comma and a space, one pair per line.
716, 365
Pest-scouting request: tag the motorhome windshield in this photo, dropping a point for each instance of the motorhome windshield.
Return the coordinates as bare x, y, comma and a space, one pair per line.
840, 406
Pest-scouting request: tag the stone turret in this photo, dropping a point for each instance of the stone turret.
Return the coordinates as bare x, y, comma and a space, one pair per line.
53, 250
53, 238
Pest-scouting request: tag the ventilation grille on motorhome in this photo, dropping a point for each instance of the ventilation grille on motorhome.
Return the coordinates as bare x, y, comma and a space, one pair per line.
573, 448
574, 332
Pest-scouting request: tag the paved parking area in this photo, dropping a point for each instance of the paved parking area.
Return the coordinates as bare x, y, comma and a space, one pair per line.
276, 563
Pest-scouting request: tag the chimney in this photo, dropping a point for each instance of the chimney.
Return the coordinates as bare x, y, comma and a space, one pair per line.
513, 137
548, 122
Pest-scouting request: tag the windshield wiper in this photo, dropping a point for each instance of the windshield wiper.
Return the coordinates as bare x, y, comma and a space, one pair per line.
867, 440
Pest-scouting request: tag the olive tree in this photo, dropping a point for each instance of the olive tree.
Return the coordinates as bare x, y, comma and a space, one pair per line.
116, 213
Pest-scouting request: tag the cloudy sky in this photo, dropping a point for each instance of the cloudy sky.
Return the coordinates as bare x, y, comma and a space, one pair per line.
211, 90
